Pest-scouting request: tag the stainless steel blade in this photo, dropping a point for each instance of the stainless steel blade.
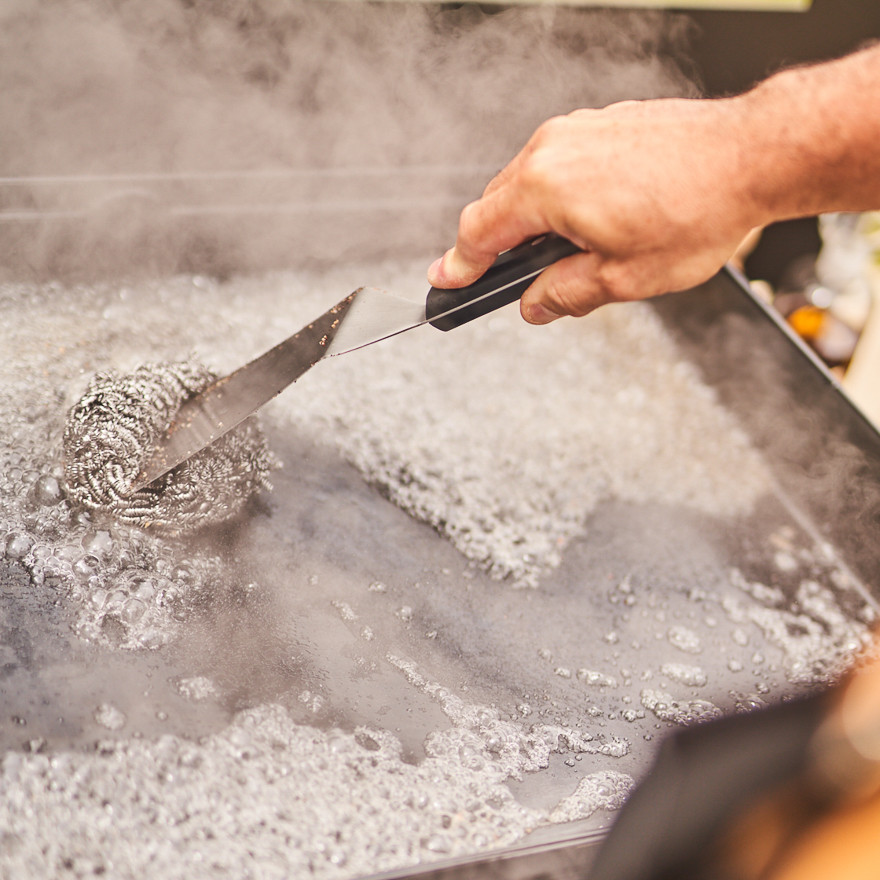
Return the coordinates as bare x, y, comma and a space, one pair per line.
375, 315
365, 316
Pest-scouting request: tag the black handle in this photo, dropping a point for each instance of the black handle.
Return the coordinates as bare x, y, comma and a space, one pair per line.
504, 282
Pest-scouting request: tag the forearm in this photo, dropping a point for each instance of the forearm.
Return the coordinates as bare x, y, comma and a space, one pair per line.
812, 139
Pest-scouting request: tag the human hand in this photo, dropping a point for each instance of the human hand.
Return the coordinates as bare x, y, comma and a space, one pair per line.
653, 192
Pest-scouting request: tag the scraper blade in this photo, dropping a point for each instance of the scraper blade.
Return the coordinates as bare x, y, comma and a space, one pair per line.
365, 316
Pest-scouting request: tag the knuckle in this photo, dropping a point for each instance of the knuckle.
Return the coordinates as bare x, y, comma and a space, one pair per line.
570, 295
617, 281
539, 175
548, 129
468, 220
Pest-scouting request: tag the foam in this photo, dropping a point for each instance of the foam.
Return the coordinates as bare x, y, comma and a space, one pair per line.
267, 792
640, 425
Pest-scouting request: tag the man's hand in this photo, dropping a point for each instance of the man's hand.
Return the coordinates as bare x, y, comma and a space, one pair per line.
626, 185
660, 193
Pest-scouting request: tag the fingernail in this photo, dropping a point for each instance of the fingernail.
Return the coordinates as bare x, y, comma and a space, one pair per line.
539, 314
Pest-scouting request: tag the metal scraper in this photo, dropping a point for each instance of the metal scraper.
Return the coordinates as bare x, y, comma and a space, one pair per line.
365, 316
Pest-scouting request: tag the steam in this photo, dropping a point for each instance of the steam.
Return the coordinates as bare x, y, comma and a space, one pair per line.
192, 110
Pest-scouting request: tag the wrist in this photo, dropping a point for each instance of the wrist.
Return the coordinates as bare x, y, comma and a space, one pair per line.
778, 157
811, 139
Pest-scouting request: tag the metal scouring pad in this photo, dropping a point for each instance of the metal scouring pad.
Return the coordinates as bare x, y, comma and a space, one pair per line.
113, 428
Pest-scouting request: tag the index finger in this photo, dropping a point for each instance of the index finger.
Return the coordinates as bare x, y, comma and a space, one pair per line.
498, 221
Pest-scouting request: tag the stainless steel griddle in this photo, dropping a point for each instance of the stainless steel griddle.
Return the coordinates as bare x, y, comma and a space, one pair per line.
287, 640
826, 457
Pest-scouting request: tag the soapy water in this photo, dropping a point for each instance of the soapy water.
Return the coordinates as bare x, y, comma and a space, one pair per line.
285, 796
510, 501
265, 791
513, 500
511, 468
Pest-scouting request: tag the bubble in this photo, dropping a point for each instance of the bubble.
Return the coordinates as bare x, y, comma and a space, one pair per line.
605, 790
748, 702
47, 491
98, 543
692, 676
132, 610
107, 715
684, 712
18, 546
438, 843
684, 639
785, 562
143, 587
86, 566
596, 679
197, 688
41, 552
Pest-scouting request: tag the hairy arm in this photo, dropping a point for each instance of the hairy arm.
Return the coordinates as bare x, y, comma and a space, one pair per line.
660, 193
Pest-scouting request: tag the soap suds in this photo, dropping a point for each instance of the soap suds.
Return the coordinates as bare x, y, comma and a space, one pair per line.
640, 426
266, 794
605, 790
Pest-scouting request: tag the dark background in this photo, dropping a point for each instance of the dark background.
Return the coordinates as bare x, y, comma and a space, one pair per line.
733, 50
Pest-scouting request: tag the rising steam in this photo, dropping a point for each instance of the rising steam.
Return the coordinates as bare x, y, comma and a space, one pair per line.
126, 112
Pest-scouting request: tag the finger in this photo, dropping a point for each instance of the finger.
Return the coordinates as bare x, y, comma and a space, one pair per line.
509, 171
492, 224
570, 287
